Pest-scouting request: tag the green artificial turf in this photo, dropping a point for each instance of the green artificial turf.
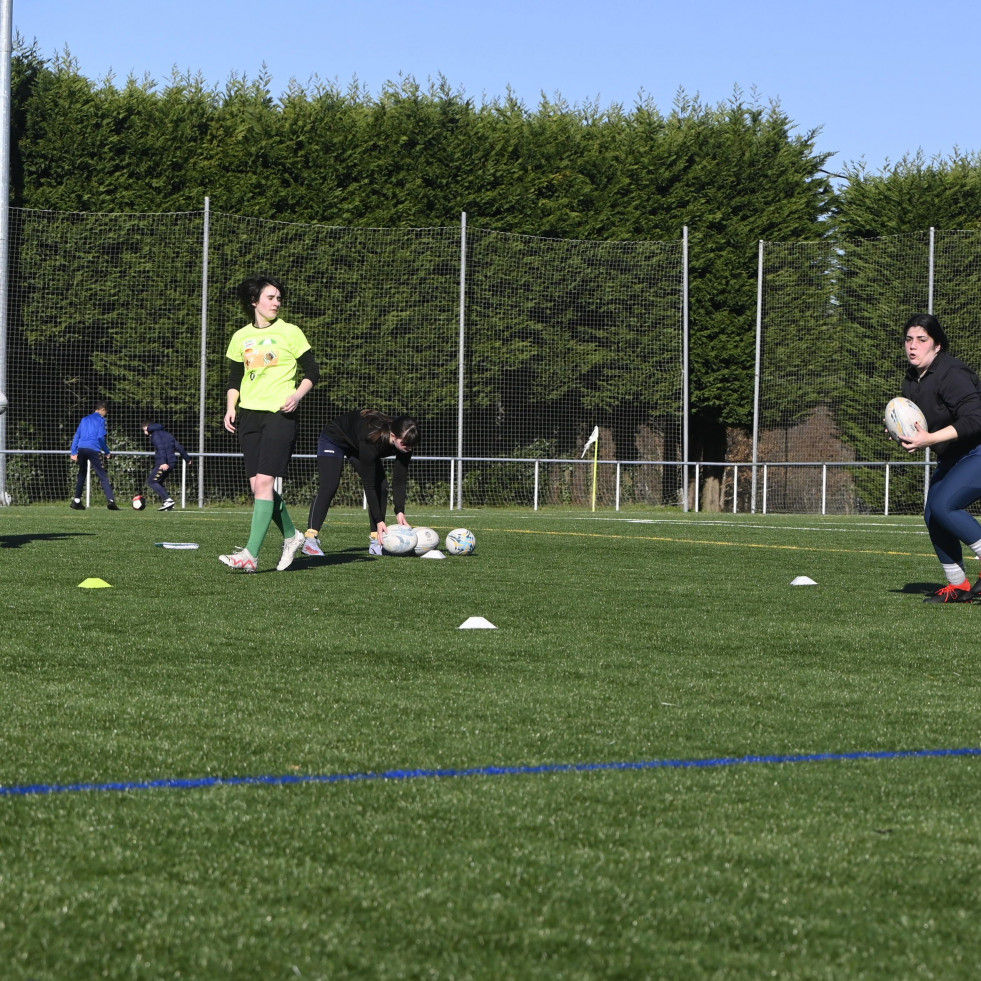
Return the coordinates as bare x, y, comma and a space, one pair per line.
648, 638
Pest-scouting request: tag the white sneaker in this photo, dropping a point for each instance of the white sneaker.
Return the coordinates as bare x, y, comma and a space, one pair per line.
312, 546
167, 505
290, 547
374, 546
241, 560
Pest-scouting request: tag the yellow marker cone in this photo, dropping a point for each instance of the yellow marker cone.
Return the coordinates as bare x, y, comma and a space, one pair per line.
94, 584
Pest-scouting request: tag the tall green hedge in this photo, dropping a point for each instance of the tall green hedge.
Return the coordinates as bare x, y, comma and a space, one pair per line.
418, 157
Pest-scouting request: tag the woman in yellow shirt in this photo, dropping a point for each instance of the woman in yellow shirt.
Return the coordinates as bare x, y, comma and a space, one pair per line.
271, 369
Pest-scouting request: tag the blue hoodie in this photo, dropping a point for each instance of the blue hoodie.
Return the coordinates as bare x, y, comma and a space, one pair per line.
166, 448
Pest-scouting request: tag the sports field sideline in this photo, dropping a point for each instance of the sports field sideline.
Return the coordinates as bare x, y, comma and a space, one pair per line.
664, 760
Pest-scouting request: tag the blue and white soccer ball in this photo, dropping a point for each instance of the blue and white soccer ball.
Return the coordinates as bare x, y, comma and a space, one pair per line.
399, 540
460, 541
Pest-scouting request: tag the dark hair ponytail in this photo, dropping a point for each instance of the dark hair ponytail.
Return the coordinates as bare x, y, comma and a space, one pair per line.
383, 427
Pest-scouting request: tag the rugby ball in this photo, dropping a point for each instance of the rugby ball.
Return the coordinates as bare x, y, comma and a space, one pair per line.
902, 418
426, 540
139, 502
399, 540
460, 541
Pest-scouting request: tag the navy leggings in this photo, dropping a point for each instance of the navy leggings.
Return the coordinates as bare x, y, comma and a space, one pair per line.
92, 458
952, 490
155, 481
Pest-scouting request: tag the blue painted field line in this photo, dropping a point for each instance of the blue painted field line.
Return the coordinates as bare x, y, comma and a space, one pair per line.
197, 783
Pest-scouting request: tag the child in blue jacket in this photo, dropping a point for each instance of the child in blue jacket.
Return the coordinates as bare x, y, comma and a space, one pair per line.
166, 450
90, 449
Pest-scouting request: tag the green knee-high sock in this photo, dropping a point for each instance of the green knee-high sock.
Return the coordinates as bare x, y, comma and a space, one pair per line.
262, 513
282, 518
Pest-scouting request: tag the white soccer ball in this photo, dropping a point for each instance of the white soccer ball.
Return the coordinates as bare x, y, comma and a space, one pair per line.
3, 403
902, 417
426, 540
460, 541
139, 502
399, 540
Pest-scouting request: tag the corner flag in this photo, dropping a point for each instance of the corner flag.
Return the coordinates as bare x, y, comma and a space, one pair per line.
589, 442
594, 442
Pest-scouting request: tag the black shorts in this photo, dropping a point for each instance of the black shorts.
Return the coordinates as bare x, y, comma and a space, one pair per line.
267, 440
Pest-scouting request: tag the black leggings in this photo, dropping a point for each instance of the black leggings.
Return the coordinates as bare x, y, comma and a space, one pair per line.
329, 470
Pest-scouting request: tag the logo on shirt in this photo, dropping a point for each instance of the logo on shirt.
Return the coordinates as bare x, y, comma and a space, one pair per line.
259, 353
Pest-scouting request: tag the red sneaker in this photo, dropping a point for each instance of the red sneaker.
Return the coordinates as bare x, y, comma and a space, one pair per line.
952, 593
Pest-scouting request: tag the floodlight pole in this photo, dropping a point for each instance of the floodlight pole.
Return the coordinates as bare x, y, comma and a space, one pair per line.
6, 54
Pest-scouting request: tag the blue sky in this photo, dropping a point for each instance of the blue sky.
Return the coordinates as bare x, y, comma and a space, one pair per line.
881, 79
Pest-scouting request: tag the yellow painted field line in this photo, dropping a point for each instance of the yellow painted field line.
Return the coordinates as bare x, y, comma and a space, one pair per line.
703, 541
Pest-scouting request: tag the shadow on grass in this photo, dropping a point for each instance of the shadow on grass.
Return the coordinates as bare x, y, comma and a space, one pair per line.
918, 588
342, 557
19, 541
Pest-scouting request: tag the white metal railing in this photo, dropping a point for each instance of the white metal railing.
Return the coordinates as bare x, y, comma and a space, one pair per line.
731, 495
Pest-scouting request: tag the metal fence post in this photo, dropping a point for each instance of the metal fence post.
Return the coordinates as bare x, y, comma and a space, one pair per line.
203, 395
460, 353
6, 52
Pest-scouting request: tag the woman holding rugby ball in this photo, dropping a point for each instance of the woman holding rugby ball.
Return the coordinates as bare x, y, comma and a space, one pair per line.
948, 393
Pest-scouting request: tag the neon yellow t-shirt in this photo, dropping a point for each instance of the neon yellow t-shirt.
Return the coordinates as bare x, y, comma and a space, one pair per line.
270, 356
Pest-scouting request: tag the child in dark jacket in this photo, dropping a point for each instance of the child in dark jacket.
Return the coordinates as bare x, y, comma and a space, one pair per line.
166, 450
